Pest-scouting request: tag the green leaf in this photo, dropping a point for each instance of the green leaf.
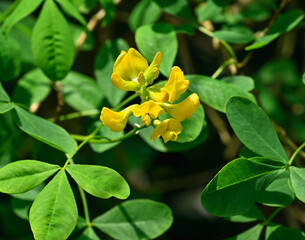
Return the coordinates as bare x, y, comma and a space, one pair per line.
52, 43
145, 12
5, 107
178, 8
103, 68
251, 234
303, 78
135, 220
10, 61
297, 176
33, 87
235, 35
71, 10
23, 9
253, 214
21, 176
107, 134
233, 190
44, 131
210, 9
88, 234
253, 127
81, 92
243, 82
99, 181
278, 193
161, 37
53, 214
3, 95
283, 24
215, 93
278, 232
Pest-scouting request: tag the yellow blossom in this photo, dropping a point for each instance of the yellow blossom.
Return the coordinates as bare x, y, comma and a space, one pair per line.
169, 129
184, 109
131, 70
147, 110
152, 72
158, 94
176, 84
129, 64
116, 121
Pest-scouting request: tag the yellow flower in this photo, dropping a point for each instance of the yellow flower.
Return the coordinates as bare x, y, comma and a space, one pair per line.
116, 121
147, 110
152, 72
169, 129
158, 94
176, 84
131, 70
184, 109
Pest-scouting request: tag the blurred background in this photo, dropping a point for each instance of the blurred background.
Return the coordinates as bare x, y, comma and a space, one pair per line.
174, 178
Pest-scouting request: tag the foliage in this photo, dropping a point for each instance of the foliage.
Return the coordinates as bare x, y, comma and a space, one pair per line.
65, 62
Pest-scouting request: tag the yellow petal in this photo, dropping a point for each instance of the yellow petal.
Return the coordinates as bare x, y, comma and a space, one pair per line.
129, 65
169, 129
146, 120
184, 109
152, 72
158, 94
120, 83
116, 121
176, 84
149, 107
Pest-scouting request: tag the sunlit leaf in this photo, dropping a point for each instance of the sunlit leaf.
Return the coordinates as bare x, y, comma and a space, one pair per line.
44, 131
278, 232
99, 181
250, 234
53, 214
70, 9
135, 220
21, 176
52, 42
253, 127
233, 190
215, 93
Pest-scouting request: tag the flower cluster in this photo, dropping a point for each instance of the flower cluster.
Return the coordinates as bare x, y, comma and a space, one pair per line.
131, 72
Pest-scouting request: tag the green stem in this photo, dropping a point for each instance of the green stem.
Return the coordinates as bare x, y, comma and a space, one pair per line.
224, 43
222, 67
127, 100
268, 220
85, 205
119, 139
9, 10
84, 200
296, 153
77, 115
85, 140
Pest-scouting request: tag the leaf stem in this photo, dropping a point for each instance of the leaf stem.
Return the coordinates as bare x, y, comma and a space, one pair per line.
119, 139
224, 43
127, 100
222, 67
77, 115
268, 220
296, 153
85, 140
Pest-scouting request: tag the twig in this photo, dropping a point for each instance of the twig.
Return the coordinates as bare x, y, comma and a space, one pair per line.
274, 17
58, 86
